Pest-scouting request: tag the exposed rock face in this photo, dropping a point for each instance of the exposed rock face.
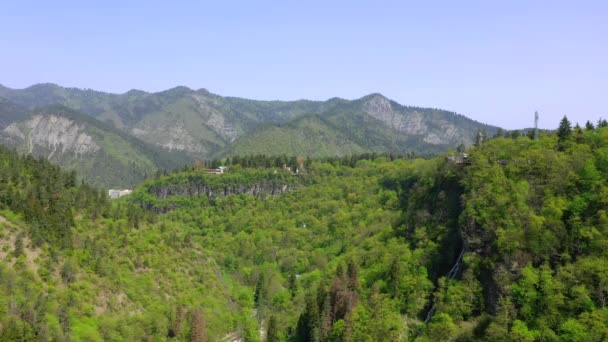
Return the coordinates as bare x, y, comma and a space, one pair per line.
436, 131
259, 189
380, 108
55, 133
216, 119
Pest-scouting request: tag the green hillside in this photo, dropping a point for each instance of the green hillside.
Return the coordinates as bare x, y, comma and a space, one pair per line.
308, 136
10, 112
508, 244
114, 159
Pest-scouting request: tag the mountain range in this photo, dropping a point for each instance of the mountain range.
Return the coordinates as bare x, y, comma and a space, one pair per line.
118, 139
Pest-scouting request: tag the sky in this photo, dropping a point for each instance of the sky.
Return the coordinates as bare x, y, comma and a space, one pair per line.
493, 61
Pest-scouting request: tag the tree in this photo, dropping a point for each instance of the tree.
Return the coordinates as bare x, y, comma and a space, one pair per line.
589, 126
520, 332
578, 133
564, 131
531, 133
499, 133
198, 331
442, 328
178, 324
292, 284
259, 295
308, 323
18, 245
352, 272
17, 330
395, 275
272, 334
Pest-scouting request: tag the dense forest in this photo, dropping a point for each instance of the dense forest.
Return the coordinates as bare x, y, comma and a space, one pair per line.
506, 242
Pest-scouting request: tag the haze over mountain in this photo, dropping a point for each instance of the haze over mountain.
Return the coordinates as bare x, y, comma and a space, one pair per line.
55, 122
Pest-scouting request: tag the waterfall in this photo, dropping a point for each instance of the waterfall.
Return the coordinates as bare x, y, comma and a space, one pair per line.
451, 274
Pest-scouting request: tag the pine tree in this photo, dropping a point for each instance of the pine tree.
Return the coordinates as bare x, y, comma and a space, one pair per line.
589, 126
578, 132
563, 132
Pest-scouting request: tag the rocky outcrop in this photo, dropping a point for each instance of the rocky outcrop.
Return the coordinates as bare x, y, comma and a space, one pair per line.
430, 125
379, 107
55, 133
198, 188
216, 120
260, 189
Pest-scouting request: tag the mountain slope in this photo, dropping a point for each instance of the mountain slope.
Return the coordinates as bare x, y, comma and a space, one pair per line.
101, 154
307, 136
370, 124
511, 245
10, 112
203, 124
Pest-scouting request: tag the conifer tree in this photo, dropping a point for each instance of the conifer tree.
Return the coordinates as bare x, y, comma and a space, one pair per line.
563, 132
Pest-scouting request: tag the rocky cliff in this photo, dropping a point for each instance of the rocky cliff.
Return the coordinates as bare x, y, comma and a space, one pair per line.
259, 189
51, 132
168, 192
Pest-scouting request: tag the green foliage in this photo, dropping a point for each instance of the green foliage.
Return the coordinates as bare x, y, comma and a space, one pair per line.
510, 244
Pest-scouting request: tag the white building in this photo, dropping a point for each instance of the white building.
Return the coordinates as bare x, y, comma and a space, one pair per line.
115, 193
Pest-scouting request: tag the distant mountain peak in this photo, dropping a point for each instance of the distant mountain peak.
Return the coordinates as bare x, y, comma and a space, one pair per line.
42, 85
178, 89
136, 92
374, 96
203, 91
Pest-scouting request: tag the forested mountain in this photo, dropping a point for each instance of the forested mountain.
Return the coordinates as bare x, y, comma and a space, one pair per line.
508, 243
204, 125
10, 112
102, 154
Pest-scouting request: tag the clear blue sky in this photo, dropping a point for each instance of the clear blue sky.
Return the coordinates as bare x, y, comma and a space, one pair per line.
494, 61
